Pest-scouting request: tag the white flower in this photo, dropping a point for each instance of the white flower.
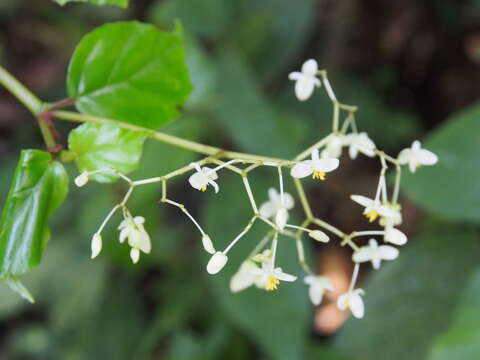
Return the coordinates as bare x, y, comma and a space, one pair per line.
203, 177
395, 219
216, 262
207, 244
352, 300
319, 236
306, 80
373, 208
374, 253
270, 208
416, 156
96, 245
360, 143
138, 239
269, 277
81, 179
333, 149
394, 236
316, 166
245, 277
317, 286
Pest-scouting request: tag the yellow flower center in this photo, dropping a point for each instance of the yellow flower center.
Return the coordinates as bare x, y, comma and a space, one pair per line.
372, 215
318, 175
272, 283
418, 165
203, 188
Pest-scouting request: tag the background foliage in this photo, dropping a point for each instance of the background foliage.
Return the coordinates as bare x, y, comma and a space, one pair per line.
410, 67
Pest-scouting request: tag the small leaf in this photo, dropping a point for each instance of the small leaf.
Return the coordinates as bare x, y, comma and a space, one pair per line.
130, 72
450, 188
39, 186
121, 3
102, 146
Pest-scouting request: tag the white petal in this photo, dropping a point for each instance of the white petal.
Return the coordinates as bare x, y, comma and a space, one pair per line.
96, 245
304, 88
288, 201
315, 293
426, 157
273, 195
310, 67
139, 239
342, 301
387, 252
315, 155
353, 151
81, 179
386, 211
412, 165
243, 278
207, 244
210, 173
404, 156
394, 236
356, 305
215, 186
310, 279
280, 275
363, 254
302, 169
295, 75
198, 180
267, 209
281, 218
362, 200
134, 255
319, 236
216, 263
416, 145
123, 234
326, 165
139, 220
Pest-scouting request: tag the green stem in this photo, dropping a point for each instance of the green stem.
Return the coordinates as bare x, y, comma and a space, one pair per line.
25, 96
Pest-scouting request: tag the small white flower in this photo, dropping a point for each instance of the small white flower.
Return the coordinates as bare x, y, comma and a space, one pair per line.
96, 245
270, 277
352, 300
373, 208
81, 179
138, 238
207, 244
374, 253
316, 167
317, 287
416, 156
319, 236
245, 277
360, 143
306, 80
270, 208
394, 236
333, 148
395, 219
216, 263
203, 177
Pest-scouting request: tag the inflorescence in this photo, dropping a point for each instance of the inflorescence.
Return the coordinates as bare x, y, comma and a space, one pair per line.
260, 268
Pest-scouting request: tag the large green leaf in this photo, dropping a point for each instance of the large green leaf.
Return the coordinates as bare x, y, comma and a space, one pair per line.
121, 3
131, 72
39, 186
462, 340
451, 187
101, 146
409, 301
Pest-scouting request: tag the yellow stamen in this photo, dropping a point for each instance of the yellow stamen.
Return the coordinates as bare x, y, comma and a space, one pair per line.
318, 175
272, 283
372, 215
203, 188
418, 165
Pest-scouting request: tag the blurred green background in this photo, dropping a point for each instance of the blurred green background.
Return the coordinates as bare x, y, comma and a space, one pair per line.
413, 69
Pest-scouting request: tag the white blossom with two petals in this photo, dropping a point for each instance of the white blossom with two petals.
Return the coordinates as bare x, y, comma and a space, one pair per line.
317, 287
360, 143
277, 207
306, 80
415, 156
353, 301
375, 253
138, 239
373, 207
246, 276
333, 148
316, 167
203, 177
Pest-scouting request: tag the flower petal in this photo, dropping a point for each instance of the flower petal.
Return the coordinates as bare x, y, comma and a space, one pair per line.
388, 252
310, 67
267, 209
280, 275
394, 236
216, 263
326, 165
198, 180
362, 200
243, 278
426, 157
356, 305
363, 254
304, 88
404, 156
316, 294
295, 75
288, 201
302, 169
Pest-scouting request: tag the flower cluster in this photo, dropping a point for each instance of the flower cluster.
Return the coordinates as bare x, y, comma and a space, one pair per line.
260, 268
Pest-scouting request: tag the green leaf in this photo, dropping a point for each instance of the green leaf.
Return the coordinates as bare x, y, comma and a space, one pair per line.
450, 188
39, 186
462, 340
409, 301
131, 72
121, 3
101, 146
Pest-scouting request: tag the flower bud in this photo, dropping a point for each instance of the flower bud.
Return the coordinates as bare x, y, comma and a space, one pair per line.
216, 263
81, 179
394, 236
134, 255
96, 245
319, 236
207, 244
